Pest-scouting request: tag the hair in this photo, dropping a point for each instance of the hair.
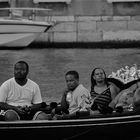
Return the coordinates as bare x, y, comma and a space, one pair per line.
23, 62
93, 82
74, 73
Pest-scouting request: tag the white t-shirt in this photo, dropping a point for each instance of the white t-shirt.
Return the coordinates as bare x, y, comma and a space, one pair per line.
14, 94
77, 98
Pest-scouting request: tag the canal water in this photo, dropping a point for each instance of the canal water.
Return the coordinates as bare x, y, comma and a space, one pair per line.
49, 65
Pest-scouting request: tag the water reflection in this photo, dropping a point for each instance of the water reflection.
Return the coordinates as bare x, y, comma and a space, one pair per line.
48, 66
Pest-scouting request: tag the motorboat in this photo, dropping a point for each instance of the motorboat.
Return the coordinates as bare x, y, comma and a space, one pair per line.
16, 31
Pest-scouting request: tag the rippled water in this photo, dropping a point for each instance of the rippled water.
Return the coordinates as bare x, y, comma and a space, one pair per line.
48, 66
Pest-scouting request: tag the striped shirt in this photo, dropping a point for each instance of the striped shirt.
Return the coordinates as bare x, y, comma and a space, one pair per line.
102, 100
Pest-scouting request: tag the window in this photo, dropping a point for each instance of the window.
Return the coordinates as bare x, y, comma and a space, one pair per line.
110, 1
52, 1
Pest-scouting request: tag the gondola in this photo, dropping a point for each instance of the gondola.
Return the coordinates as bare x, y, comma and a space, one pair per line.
112, 126
116, 125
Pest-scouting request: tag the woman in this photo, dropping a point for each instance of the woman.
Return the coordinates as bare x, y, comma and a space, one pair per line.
102, 91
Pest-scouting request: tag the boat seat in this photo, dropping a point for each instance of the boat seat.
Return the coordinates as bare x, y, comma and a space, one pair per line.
127, 85
120, 84
117, 82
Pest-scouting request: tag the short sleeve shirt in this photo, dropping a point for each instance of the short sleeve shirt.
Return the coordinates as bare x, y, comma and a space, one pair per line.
77, 97
14, 94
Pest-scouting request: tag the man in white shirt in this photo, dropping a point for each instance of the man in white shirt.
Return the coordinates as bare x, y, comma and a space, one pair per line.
20, 97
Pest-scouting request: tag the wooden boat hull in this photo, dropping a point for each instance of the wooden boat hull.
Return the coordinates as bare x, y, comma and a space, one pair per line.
109, 127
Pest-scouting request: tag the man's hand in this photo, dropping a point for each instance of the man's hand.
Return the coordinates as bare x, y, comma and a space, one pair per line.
20, 110
27, 109
23, 110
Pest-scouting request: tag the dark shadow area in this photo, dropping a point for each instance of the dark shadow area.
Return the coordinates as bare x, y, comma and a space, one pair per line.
103, 44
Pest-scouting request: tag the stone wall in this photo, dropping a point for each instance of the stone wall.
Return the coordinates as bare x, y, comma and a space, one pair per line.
93, 29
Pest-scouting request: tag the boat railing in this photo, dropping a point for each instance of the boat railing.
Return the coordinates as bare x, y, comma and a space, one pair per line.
17, 12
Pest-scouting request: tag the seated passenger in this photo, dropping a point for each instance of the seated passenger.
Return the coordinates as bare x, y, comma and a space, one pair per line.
20, 97
76, 97
128, 98
102, 92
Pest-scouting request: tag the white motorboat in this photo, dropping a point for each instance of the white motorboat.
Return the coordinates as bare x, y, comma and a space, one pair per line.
16, 31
